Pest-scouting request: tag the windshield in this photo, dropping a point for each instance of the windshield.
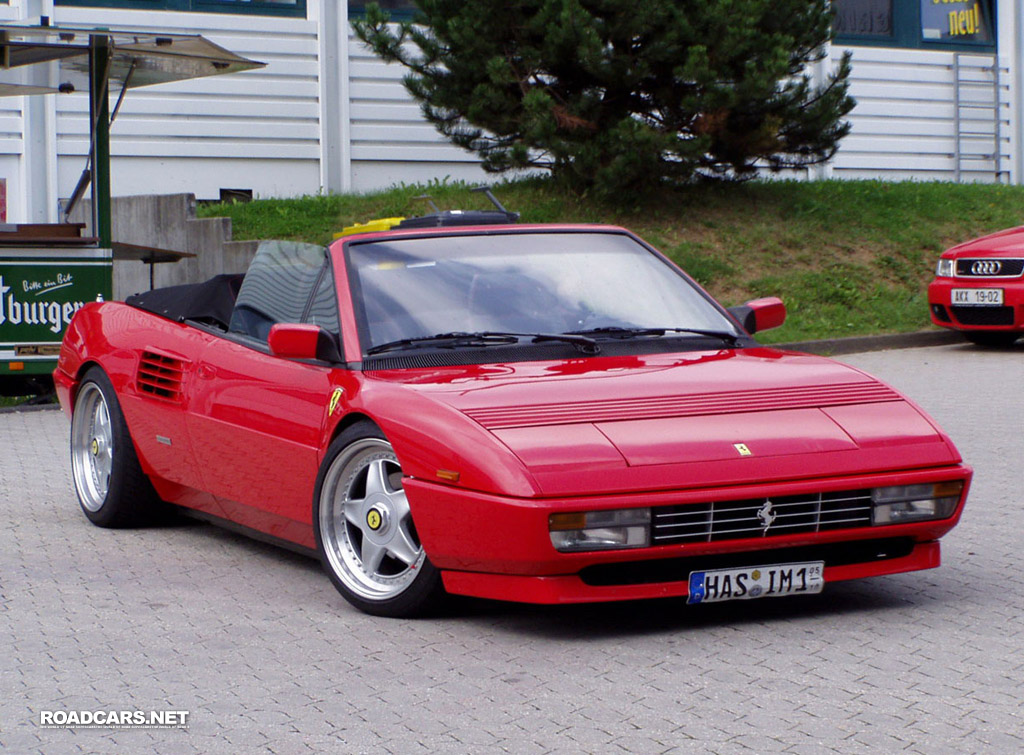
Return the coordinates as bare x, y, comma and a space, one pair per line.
551, 283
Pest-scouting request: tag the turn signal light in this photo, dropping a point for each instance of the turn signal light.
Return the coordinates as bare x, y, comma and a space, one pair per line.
600, 530
915, 503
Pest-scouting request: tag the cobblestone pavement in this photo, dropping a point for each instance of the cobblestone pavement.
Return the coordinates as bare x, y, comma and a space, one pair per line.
256, 645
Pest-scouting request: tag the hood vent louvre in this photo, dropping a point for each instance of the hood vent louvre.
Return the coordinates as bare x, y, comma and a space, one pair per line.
658, 407
159, 376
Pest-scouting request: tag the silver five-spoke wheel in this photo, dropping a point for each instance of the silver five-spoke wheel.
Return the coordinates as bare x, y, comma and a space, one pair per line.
111, 486
92, 447
365, 531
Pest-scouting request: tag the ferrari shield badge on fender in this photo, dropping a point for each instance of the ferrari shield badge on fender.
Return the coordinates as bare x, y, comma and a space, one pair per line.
742, 448
335, 400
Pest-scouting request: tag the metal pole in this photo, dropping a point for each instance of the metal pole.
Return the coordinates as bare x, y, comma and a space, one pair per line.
99, 116
956, 117
997, 154
1016, 45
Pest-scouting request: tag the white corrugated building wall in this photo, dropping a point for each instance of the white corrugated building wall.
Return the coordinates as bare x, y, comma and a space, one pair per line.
326, 115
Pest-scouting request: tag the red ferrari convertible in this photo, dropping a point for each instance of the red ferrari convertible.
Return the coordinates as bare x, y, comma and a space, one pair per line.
547, 414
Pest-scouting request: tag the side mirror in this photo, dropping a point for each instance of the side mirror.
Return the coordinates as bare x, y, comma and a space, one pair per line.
760, 314
302, 341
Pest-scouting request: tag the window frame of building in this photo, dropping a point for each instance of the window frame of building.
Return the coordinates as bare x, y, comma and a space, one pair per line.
238, 7
357, 9
907, 32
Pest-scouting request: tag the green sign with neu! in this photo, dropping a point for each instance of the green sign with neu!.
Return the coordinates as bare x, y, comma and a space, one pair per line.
39, 295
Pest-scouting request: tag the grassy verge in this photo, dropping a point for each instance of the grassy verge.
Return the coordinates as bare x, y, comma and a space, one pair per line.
847, 257
6, 402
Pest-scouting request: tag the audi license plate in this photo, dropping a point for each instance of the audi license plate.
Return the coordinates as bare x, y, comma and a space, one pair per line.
756, 582
978, 297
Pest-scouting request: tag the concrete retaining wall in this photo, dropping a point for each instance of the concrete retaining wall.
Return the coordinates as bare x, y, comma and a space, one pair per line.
169, 222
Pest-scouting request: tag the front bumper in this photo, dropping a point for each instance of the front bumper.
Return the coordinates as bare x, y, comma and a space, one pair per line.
575, 588
1008, 317
496, 547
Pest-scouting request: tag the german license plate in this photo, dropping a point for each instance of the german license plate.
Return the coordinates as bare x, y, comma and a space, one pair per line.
770, 581
977, 297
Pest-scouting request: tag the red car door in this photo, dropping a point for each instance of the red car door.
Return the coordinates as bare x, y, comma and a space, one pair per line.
256, 423
157, 399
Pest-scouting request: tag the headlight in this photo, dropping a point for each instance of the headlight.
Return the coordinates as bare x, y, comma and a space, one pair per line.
945, 268
915, 503
600, 530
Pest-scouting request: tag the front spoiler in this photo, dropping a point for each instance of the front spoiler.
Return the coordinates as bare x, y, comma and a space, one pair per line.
572, 589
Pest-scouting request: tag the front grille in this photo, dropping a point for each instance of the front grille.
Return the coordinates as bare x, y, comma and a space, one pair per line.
737, 520
989, 268
983, 315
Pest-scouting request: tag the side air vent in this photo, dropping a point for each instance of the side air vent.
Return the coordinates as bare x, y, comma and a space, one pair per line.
159, 376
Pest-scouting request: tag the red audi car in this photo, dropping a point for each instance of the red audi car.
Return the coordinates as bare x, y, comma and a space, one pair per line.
536, 413
979, 289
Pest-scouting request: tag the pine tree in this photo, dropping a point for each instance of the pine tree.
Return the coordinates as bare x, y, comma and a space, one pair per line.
620, 95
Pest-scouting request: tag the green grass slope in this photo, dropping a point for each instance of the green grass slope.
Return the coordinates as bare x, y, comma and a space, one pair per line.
847, 257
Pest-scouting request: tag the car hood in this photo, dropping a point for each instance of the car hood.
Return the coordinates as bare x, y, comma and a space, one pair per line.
683, 420
1006, 243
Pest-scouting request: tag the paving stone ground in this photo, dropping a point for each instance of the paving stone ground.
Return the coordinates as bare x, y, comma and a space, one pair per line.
264, 655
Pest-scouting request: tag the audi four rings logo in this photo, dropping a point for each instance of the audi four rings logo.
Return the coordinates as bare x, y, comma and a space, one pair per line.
986, 267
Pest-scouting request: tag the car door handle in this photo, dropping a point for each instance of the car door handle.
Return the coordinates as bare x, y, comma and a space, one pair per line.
206, 372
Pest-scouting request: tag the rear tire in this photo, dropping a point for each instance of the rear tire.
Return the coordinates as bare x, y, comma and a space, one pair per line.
993, 339
364, 530
112, 489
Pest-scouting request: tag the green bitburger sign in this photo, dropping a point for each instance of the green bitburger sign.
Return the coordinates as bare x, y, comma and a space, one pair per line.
38, 299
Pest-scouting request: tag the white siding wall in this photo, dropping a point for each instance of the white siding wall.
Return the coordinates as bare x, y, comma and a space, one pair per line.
391, 141
12, 144
903, 124
295, 127
258, 129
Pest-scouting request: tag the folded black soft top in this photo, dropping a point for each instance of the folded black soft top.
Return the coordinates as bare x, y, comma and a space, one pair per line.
210, 301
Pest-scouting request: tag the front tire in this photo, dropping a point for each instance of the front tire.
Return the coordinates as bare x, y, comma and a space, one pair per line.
365, 535
993, 339
112, 489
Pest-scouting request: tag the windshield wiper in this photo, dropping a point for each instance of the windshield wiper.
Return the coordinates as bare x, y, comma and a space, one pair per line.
458, 340
614, 331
